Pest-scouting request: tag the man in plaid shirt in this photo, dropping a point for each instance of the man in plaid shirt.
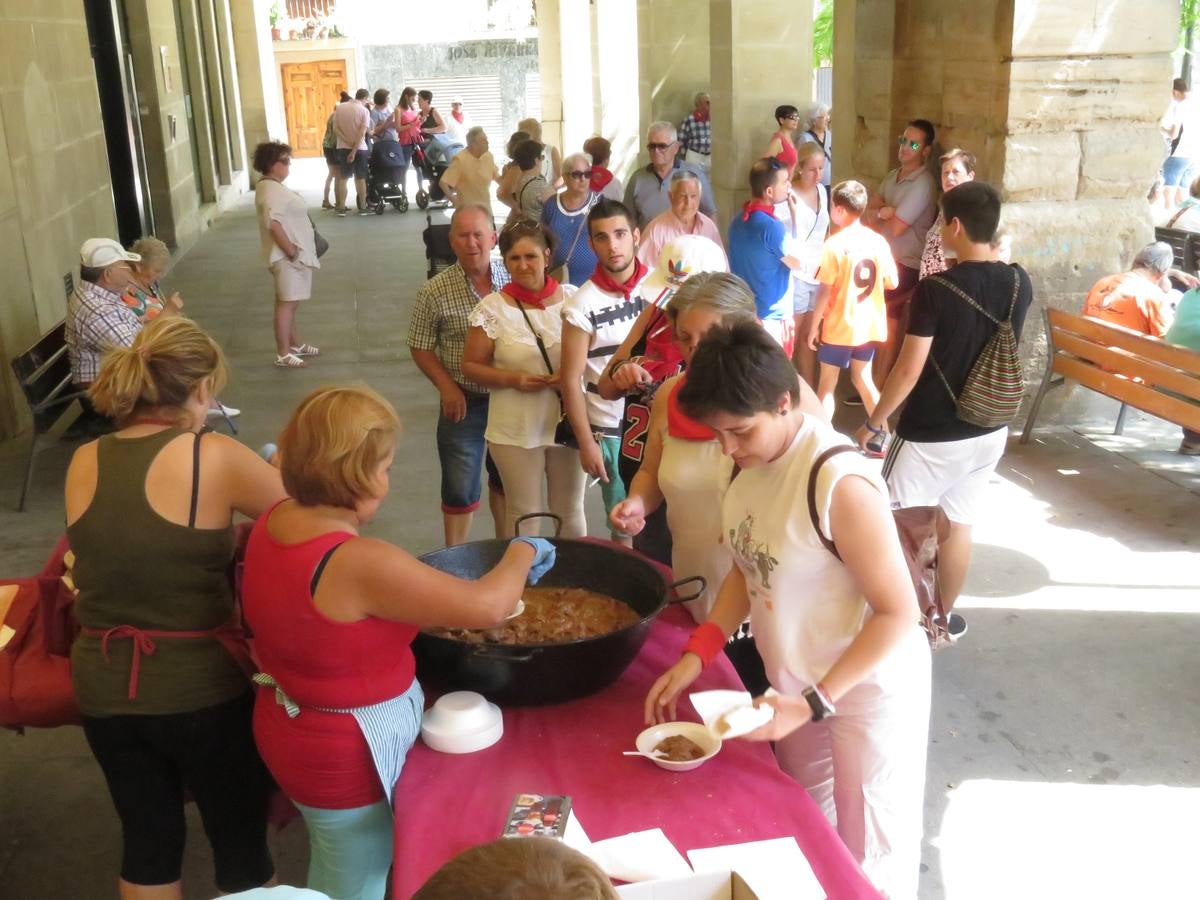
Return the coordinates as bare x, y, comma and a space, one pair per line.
97, 319
695, 133
437, 334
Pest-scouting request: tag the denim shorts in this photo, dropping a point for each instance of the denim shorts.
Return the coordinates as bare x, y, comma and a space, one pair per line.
461, 449
1176, 170
837, 355
804, 295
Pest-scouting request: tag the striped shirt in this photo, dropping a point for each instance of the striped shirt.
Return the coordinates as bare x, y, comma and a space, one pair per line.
439, 318
97, 320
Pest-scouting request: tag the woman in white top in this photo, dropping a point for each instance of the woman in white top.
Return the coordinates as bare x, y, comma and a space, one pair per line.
839, 635
806, 232
289, 248
513, 347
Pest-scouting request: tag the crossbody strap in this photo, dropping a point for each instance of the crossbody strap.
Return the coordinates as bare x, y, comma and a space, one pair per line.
1012, 305
536, 336
812, 494
583, 216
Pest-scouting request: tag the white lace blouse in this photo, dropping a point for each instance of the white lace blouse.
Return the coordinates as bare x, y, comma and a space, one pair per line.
516, 418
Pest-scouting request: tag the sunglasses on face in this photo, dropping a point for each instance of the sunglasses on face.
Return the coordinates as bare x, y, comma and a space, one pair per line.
653, 146
795, 117
580, 175
912, 145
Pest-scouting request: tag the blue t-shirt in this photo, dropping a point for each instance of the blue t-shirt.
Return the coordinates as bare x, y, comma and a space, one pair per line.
756, 255
566, 226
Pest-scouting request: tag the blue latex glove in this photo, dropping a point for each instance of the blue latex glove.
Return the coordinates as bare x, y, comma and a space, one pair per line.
543, 557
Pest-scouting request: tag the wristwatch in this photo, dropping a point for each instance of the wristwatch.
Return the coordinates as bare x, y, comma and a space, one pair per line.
818, 702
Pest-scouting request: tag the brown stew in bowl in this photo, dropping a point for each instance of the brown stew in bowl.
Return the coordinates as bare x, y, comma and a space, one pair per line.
553, 615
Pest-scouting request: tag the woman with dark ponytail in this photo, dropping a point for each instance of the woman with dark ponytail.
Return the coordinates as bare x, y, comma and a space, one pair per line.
165, 698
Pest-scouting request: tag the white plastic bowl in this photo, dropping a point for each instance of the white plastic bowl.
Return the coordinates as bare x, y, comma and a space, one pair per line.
652, 736
462, 722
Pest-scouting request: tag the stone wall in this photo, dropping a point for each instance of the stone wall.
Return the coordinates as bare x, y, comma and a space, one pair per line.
54, 184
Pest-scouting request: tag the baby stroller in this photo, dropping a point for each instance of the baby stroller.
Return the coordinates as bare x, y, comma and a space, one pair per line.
384, 184
437, 247
434, 197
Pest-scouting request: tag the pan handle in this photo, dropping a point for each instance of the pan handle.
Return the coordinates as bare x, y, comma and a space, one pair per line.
540, 515
495, 652
673, 587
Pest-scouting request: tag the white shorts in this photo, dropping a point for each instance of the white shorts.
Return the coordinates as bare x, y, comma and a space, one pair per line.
293, 280
949, 474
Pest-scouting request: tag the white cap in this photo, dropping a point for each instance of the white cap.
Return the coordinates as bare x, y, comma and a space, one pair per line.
457, 101
682, 257
100, 253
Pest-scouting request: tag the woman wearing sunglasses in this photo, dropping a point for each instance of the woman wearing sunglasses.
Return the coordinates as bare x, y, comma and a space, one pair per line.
782, 146
565, 216
514, 348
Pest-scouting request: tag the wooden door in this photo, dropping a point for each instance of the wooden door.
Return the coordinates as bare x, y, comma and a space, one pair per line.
310, 91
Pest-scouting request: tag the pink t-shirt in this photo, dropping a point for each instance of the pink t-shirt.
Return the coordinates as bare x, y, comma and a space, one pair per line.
665, 227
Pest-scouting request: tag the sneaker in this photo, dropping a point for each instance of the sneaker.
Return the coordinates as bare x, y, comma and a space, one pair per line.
1189, 448
341, 211
853, 400
325, 204
956, 626
366, 212
222, 410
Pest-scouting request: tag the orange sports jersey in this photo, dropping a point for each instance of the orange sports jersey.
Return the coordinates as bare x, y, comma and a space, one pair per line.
1130, 300
857, 265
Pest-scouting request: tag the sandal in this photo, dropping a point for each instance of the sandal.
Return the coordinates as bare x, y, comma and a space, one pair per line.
306, 350
290, 361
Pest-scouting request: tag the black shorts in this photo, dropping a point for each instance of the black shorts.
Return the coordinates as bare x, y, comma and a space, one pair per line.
331, 156
356, 169
149, 761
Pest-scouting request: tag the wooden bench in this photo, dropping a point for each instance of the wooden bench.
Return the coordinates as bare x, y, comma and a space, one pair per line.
1107, 359
44, 374
1183, 244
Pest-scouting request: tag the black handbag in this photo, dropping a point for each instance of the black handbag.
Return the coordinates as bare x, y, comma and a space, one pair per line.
564, 434
319, 241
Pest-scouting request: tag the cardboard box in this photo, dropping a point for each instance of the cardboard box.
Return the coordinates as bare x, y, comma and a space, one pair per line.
706, 886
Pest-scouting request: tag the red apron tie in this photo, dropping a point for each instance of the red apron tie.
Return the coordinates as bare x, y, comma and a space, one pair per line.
229, 636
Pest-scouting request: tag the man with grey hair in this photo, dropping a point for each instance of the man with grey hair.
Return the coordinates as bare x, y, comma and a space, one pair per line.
469, 177
683, 217
646, 195
1137, 299
695, 133
437, 335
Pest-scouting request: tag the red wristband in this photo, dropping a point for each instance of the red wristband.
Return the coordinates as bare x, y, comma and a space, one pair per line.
706, 642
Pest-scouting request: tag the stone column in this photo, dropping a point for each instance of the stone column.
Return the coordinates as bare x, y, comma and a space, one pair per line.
1080, 143
617, 74
550, 70
863, 56
578, 68
258, 76
673, 51
761, 57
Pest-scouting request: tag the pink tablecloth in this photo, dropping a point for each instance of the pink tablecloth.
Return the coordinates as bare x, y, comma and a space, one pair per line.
445, 803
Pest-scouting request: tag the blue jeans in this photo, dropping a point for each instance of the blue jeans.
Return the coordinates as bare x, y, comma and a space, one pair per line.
461, 449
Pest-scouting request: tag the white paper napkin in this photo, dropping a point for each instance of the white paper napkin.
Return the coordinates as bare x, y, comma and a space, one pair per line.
639, 856
736, 708
774, 870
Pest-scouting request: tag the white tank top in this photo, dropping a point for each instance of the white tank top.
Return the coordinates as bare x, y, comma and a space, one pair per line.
693, 477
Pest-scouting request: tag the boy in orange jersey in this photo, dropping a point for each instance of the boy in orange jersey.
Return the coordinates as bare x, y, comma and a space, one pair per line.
856, 268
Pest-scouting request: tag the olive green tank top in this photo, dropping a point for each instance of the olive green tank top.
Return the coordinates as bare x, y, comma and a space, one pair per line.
135, 568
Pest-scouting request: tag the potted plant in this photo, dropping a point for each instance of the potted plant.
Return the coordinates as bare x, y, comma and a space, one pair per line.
274, 14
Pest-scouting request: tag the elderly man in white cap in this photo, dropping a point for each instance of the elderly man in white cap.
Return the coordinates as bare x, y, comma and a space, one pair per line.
97, 318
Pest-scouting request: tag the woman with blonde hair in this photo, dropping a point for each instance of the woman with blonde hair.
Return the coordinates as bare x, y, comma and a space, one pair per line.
157, 668
333, 615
